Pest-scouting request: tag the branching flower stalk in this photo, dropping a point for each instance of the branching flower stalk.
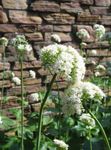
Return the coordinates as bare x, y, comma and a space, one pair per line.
41, 112
102, 130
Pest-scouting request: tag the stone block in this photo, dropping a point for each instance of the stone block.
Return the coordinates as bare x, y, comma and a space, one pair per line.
87, 2
57, 18
71, 7
99, 10
24, 17
45, 6
102, 2
45, 28
62, 28
27, 28
37, 36
8, 28
106, 20
3, 17
15, 4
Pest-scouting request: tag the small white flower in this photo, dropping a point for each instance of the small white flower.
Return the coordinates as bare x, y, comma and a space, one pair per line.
28, 48
55, 38
12, 74
83, 44
61, 144
87, 120
99, 31
93, 62
1, 120
83, 34
32, 74
34, 97
100, 67
3, 41
97, 73
21, 47
94, 52
16, 80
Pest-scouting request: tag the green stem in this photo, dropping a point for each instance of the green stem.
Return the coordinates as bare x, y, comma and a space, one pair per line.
22, 107
41, 113
90, 141
102, 130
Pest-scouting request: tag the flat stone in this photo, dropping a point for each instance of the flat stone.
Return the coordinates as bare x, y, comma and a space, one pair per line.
3, 17
45, 6
88, 18
5, 84
27, 28
106, 20
30, 81
57, 18
15, 4
102, 2
71, 7
5, 66
99, 10
24, 17
62, 28
87, 2
8, 28
34, 36
45, 28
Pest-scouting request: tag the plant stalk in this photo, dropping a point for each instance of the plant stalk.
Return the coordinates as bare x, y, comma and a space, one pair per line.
22, 106
102, 130
41, 112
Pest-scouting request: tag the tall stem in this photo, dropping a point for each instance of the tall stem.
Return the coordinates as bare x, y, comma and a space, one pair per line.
90, 142
102, 130
41, 113
22, 107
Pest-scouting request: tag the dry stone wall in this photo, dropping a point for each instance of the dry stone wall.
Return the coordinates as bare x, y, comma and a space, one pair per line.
37, 20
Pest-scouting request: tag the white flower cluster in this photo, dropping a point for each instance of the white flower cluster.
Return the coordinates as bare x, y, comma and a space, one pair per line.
21, 44
92, 90
99, 31
63, 60
87, 120
32, 74
1, 120
34, 97
55, 38
83, 34
3, 41
16, 80
100, 67
71, 100
61, 144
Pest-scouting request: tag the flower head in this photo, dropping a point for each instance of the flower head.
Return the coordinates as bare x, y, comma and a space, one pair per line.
94, 52
34, 97
61, 144
101, 67
99, 31
63, 60
16, 80
87, 120
83, 34
28, 48
3, 41
55, 38
32, 74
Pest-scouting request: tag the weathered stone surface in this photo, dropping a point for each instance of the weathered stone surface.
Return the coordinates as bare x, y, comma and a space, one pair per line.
101, 45
57, 18
45, 6
8, 28
62, 28
14, 4
5, 84
27, 65
2, 49
104, 52
3, 17
99, 10
45, 28
102, 2
106, 20
71, 7
5, 66
27, 89
30, 81
88, 18
37, 36
25, 74
24, 17
64, 36
27, 28
87, 2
